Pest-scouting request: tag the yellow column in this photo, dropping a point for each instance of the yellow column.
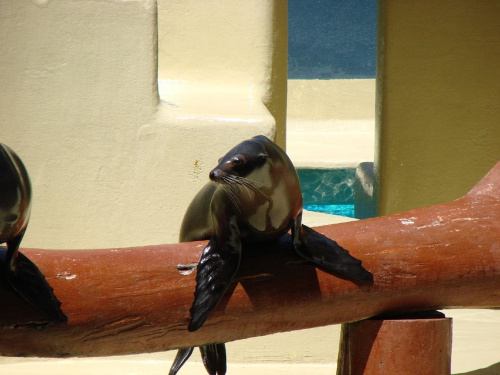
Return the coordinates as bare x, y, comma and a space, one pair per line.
438, 107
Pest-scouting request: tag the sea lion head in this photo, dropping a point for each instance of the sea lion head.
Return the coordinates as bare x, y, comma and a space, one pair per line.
240, 161
15, 195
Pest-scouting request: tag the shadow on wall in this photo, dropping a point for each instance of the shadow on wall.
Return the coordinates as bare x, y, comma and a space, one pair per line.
491, 370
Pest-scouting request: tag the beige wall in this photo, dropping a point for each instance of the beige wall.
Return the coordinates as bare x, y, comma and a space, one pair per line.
330, 123
229, 49
438, 99
111, 164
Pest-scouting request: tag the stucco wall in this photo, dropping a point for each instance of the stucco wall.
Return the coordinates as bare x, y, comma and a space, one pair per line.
111, 164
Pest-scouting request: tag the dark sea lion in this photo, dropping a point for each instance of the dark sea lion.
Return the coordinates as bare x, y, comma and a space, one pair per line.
16, 270
254, 195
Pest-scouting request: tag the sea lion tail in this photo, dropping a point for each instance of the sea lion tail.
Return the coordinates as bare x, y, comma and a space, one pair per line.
214, 358
181, 358
30, 284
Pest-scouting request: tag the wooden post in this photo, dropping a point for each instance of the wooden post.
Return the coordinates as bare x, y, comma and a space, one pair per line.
403, 345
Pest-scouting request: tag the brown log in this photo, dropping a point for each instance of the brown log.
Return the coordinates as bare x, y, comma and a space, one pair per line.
133, 300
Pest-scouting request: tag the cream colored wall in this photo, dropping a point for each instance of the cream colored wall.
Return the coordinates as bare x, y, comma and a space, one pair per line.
225, 56
331, 123
111, 164
438, 99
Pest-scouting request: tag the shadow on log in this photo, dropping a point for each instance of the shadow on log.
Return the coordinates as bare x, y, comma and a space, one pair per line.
132, 300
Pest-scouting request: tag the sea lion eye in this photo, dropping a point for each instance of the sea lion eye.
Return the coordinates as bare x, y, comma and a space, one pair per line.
238, 161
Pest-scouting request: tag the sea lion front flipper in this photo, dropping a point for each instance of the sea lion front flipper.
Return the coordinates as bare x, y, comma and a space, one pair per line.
29, 283
214, 358
326, 253
181, 358
13, 252
216, 269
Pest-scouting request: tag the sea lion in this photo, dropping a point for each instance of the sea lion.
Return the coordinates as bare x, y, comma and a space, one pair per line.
16, 270
253, 195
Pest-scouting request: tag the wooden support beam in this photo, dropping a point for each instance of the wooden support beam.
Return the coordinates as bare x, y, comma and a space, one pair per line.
132, 300
418, 343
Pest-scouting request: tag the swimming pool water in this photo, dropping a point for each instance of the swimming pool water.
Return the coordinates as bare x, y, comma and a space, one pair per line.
329, 191
332, 209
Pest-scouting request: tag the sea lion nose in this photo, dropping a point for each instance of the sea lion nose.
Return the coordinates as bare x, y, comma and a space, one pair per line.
216, 175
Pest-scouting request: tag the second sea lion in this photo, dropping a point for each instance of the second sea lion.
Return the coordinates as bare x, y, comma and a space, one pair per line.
17, 271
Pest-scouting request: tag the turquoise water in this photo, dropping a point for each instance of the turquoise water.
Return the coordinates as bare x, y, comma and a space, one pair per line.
329, 191
332, 209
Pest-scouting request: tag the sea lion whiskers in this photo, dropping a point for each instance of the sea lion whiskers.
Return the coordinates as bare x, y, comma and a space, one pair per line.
232, 193
232, 184
234, 181
249, 184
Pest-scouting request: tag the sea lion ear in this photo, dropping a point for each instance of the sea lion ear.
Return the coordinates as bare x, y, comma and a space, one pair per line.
263, 155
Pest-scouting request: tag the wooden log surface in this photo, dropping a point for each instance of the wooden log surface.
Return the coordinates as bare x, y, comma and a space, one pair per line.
132, 300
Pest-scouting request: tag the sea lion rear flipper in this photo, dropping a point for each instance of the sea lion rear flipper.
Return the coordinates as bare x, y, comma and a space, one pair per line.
181, 358
215, 272
29, 283
327, 253
214, 358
